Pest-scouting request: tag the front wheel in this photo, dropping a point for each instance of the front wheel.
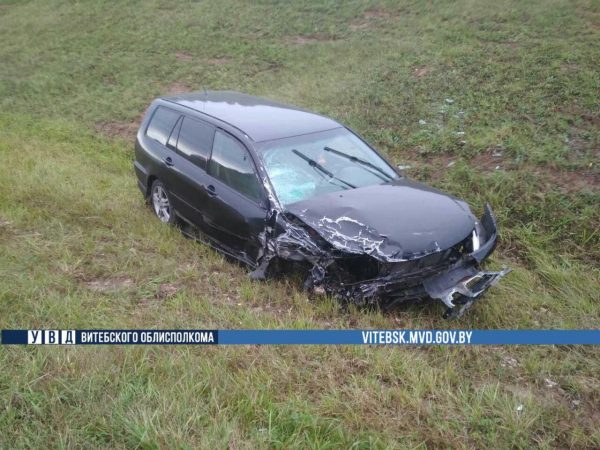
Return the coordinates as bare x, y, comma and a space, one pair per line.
161, 203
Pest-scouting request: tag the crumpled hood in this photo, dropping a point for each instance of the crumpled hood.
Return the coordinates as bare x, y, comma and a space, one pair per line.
395, 221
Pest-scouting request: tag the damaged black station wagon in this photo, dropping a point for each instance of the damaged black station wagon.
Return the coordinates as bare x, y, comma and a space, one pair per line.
283, 189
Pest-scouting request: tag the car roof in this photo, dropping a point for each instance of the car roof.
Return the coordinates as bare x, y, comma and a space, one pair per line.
260, 119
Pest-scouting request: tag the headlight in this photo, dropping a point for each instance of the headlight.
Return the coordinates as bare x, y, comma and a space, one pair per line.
478, 236
476, 243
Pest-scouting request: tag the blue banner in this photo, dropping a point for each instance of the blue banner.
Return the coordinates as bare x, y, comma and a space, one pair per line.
118, 337
302, 337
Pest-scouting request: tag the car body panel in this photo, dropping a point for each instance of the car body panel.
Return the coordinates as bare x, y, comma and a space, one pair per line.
234, 220
395, 221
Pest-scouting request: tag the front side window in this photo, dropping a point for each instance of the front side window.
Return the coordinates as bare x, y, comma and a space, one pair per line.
305, 166
195, 141
231, 163
162, 123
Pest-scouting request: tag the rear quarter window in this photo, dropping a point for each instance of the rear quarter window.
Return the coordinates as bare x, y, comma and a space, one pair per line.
162, 123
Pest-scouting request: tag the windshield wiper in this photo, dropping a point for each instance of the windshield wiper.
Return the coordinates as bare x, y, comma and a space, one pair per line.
388, 177
319, 167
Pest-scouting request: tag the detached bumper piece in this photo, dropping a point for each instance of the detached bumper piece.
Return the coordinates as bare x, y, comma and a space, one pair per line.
460, 287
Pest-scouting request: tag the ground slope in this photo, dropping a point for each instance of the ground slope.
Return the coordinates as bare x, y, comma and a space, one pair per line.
495, 101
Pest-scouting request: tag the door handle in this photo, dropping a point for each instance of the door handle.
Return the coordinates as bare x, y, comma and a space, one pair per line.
168, 161
210, 190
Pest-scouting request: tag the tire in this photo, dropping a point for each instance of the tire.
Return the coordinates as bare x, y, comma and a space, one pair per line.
160, 202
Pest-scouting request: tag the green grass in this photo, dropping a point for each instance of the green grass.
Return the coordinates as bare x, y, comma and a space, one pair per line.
78, 248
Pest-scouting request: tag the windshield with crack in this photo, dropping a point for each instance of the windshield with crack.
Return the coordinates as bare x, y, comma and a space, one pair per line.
305, 166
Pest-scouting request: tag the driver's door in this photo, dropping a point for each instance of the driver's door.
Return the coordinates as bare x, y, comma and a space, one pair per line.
236, 209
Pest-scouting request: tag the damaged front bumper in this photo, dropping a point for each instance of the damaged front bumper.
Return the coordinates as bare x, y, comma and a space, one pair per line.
457, 282
452, 275
460, 287
464, 283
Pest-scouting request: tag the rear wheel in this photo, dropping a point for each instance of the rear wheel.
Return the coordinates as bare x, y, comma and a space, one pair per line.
161, 203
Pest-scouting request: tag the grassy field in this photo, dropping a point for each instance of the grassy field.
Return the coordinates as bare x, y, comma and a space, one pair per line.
489, 100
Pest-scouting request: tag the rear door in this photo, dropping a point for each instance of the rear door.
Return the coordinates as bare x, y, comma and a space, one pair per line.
193, 144
237, 206
163, 125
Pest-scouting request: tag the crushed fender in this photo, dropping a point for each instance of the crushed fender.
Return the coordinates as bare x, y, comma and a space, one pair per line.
357, 263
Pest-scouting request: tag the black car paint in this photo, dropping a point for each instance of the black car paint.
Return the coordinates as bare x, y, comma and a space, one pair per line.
412, 238
395, 221
227, 219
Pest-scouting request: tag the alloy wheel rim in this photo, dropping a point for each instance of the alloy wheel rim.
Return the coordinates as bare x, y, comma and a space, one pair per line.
160, 201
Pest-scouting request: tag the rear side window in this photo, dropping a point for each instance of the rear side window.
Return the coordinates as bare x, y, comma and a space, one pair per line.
231, 163
162, 123
195, 141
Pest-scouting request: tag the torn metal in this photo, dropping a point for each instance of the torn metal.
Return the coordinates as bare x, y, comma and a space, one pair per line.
383, 244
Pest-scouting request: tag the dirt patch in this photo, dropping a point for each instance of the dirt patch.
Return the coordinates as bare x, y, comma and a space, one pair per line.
578, 147
6, 230
183, 56
166, 290
109, 285
420, 71
360, 25
491, 160
434, 166
594, 25
368, 19
568, 67
568, 181
219, 60
574, 111
509, 361
310, 39
591, 119
124, 130
376, 14
177, 88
